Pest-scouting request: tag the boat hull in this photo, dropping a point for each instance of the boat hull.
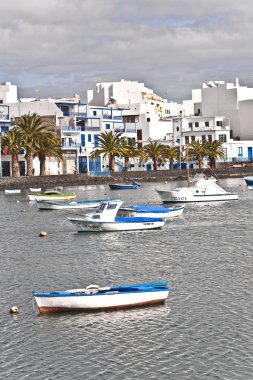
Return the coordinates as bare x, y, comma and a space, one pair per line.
96, 302
49, 205
176, 197
90, 226
41, 197
122, 187
249, 180
172, 212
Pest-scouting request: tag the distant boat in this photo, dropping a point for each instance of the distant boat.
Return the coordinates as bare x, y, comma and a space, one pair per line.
248, 180
152, 211
96, 298
12, 191
66, 205
203, 189
35, 189
52, 195
122, 186
105, 219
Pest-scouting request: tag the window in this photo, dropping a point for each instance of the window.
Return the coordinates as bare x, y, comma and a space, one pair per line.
190, 125
222, 138
89, 138
203, 139
206, 123
82, 140
210, 139
219, 123
148, 119
94, 113
107, 126
193, 138
196, 124
239, 152
96, 141
187, 140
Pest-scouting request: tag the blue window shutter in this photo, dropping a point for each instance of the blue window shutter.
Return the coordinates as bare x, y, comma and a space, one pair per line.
83, 140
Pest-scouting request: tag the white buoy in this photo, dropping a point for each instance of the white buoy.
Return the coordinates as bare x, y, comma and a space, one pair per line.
43, 233
14, 310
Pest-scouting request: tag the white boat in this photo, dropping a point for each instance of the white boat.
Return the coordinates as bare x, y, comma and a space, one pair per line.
96, 298
35, 189
249, 180
51, 195
202, 189
105, 219
152, 211
66, 205
12, 191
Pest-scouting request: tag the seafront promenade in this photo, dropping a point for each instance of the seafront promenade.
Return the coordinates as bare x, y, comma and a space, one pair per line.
50, 181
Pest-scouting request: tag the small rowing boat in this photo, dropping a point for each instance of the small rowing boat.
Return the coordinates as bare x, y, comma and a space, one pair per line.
96, 298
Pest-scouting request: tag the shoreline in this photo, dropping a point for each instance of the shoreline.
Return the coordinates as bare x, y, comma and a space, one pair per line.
120, 177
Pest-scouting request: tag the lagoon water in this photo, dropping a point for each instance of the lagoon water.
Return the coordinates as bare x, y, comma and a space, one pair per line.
203, 331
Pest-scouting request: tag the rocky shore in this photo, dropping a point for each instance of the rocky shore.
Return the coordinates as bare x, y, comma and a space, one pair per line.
45, 182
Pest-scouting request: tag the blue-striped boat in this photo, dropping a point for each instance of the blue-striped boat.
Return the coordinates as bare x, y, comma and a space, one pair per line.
96, 298
122, 186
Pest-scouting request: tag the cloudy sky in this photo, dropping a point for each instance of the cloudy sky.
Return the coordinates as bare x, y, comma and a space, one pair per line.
62, 47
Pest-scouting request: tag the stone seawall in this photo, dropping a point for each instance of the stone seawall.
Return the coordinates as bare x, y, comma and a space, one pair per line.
51, 181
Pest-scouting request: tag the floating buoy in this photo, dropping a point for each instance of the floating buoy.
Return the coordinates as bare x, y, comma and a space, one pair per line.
165, 181
14, 310
23, 210
43, 234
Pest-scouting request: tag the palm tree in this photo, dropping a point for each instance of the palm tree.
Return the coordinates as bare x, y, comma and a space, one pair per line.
155, 151
49, 145
109, 145
32, 130
198, 151
12, 142
214, 151
130, 150
171, 153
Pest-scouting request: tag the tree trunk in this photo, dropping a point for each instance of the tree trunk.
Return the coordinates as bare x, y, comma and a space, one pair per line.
126, 164
171, 165
15, 165
200, 163
111, 163
29, 162
155, 165
42, 165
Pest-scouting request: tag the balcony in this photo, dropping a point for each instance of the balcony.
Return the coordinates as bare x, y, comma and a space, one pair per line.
69, 146
77, 128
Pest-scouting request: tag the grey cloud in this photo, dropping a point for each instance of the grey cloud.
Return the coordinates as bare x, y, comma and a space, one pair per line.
62, 46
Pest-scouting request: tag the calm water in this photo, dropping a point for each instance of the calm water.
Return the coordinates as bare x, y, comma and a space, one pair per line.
203, 331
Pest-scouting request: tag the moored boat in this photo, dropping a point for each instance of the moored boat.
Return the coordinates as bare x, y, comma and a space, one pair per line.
12, 191
67, 205
96, 298
202, 189
124, 186
52, 195
35, 189
105, 219
249, 180
152, 211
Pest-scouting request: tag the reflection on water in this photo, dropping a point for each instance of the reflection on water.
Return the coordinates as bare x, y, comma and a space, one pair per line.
204, 329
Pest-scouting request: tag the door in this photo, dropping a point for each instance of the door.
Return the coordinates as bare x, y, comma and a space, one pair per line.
249, 153
83, 164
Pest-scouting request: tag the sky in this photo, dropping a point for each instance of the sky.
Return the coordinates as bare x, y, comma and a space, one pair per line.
55, 48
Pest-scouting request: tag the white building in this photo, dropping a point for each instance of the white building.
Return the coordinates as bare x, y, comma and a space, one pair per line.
8, 93
233, 101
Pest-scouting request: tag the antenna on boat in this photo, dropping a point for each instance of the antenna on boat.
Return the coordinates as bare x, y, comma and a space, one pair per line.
188, 166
